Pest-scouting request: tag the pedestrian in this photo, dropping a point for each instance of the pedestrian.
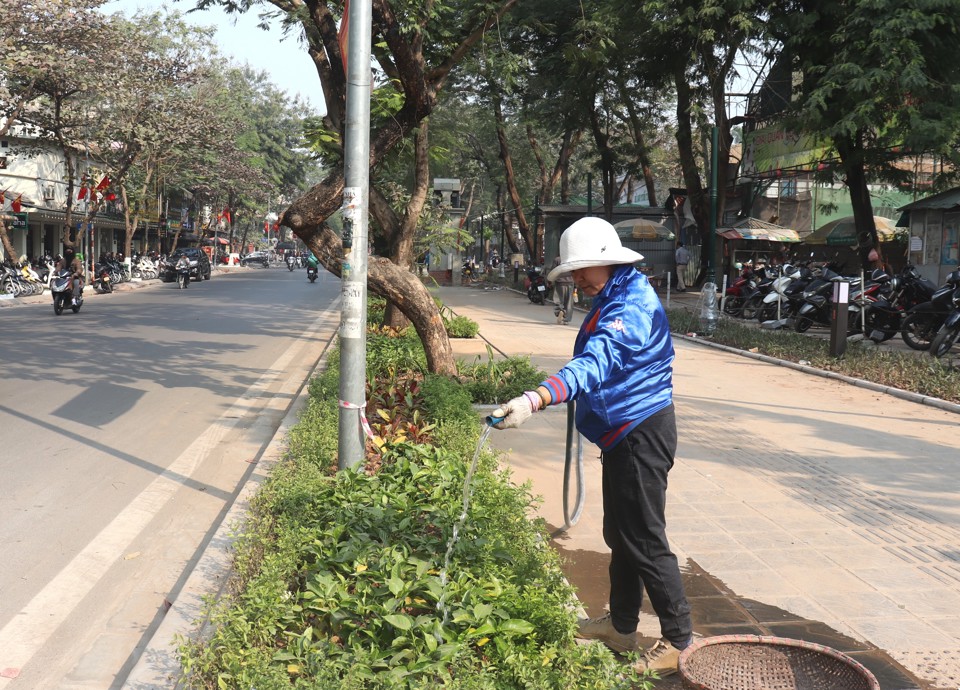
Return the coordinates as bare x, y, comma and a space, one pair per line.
682, 257
563, 294
621, 379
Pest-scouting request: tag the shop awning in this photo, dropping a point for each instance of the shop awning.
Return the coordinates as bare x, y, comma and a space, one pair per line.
843, 232
756, 229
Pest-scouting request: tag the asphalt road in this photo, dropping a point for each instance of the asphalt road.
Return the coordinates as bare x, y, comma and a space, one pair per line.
125, 432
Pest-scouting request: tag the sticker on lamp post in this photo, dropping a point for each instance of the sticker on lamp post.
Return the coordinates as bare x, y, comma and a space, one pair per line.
352, 295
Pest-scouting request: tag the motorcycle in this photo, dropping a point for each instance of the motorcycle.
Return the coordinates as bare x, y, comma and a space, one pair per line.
739, 292
537, 285
949, 331
291, 262
776, 303
922, 322
183, 275
311, 273
63, 293
102, 282
817, 295
904, 291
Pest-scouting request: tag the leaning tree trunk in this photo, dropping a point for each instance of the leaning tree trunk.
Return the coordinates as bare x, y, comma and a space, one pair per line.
307, 216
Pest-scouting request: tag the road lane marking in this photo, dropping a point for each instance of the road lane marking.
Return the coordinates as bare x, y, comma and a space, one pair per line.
28, 630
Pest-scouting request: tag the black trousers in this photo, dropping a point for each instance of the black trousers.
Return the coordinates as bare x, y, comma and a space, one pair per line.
634, 527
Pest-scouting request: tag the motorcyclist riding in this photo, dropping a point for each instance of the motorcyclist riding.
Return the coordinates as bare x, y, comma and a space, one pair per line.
183, 266
74, 264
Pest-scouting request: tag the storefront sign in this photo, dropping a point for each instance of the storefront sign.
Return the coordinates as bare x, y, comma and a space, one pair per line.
19, 221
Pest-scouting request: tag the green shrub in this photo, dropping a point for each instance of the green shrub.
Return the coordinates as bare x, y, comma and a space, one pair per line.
354, 590
447, 400
496, 381
461, 327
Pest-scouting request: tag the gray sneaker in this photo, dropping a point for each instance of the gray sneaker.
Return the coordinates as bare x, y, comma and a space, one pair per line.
662, 658
602, 629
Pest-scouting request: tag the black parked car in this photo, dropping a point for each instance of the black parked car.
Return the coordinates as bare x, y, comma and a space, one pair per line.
259, 258
199, 265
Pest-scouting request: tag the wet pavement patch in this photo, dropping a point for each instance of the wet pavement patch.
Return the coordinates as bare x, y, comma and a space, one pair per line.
719, 611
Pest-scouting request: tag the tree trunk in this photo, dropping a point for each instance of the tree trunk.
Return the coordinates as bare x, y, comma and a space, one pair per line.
851, 157
510, 176
7, 243
400, 232
696, 197
401, 287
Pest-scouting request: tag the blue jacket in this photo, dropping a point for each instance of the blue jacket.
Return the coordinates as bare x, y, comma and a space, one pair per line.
622, 366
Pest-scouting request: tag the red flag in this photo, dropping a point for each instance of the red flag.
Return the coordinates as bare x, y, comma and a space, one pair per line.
15, 204
342, 34
82, 194
2, 200
276, 226
93, 196
110, 196
226, 215
266, 227
104, 183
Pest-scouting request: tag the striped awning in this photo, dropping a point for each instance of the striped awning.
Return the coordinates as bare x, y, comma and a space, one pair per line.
756, 229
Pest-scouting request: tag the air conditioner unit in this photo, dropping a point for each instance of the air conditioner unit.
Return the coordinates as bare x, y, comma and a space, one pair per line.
48, 193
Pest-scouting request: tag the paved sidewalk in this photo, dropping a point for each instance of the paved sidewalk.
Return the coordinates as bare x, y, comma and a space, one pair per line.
800, 506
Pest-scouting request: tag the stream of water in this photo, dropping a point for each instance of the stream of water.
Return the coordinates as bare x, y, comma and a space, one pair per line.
467, 490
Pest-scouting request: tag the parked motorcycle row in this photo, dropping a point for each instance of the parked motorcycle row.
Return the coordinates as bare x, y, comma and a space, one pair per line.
24, 279
880, 306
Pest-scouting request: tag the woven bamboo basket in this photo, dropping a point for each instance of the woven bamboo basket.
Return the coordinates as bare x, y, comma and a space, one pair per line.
753, 662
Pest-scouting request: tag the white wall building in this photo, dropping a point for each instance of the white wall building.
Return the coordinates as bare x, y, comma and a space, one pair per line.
35, 173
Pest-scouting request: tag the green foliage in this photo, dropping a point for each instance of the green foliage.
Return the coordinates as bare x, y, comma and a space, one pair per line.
447, 399
906, 371
461, 327
496, 381
350, 579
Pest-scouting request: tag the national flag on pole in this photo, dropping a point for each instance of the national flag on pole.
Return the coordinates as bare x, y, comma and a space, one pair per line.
266, 227
342, 34
2, 200
82, 194
15, 204
104, 183
226, 215
93, 196
110, 196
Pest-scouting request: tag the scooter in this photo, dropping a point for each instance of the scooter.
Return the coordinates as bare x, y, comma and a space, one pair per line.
949, 331
311, 273
102, 282
291, 261
63, 293
537, 288
923, 321
183, 276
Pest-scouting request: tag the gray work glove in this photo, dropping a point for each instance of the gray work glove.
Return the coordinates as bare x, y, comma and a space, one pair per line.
515, 412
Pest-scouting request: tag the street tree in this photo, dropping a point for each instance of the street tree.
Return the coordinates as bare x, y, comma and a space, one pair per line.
697, 44
876, 79
415, 48
48, 73
159, 113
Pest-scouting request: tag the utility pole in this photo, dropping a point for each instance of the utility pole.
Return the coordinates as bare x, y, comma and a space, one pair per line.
356, 193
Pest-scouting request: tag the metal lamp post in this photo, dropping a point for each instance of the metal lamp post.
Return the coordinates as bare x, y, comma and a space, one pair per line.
353, 291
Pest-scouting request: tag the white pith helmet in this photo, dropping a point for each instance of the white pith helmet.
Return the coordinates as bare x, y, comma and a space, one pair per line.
591, 242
